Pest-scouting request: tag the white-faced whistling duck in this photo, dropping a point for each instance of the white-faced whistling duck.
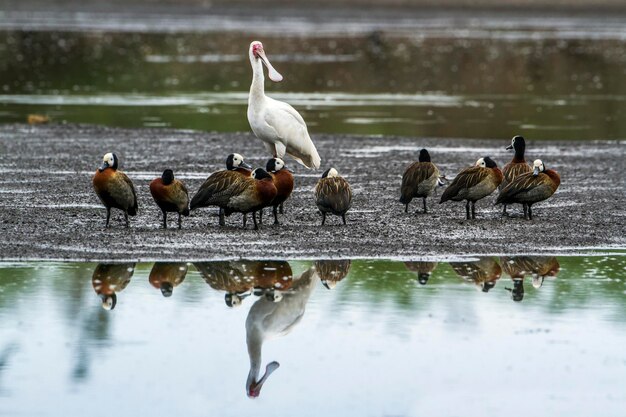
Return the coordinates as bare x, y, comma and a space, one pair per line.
518, 164
484, 272
419, 180
232, 277
114, 188
530, 188
236, 193
474, 183
333, 195
235, 166
283, 180
424, 270
170, 195
332, 271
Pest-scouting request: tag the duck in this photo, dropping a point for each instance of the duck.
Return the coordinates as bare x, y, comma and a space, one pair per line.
233, 192
474, 183
419, 180
424, 270
333, 195
114, 188
167, 275
539, 267
484, 272
271, 278
170, 195
109, 279
283, 180
281, 128
232, 277
518, 164
531, 188
235, 166
332, 271
268, 319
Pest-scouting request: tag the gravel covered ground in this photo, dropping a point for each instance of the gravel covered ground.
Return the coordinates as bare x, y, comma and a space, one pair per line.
48, 209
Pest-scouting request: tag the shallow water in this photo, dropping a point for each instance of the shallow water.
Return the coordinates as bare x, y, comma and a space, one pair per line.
467, 339
546, 79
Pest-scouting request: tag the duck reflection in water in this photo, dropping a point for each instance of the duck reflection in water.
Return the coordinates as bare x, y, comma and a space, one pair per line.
424, 270
228, 276
332, 271
484, 272
241, 278
167, 275
268, 319
539, 267
271, 278
109, 279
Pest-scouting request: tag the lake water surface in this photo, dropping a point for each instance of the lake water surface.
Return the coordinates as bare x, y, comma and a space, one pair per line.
468, 336
545, 79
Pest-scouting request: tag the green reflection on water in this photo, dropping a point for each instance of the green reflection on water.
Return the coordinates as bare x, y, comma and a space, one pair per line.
478, 88
555, 284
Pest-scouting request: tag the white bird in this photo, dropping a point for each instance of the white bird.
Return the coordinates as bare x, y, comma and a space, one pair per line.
268, 318
276, 123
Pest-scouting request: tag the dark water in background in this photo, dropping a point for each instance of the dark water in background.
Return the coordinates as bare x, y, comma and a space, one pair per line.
449, 82
378, 343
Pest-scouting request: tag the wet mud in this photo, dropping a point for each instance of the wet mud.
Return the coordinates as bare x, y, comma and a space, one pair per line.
48, 209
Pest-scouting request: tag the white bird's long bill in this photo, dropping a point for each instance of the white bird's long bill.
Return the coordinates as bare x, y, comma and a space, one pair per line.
271, 72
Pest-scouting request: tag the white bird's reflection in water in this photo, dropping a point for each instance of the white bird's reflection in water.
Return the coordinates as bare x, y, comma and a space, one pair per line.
270, 317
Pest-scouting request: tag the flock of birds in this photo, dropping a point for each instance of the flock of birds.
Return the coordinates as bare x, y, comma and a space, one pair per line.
240, 189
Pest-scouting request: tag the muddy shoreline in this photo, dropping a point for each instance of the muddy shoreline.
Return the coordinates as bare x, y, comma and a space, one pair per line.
50, 212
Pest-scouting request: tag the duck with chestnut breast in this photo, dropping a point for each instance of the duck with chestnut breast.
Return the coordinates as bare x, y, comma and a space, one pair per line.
280, 127
170, 195
530, 188
109, 279
239, 194
283, 180
236, 167
333, 195
517, 166
114, 188
419, 180
474, 183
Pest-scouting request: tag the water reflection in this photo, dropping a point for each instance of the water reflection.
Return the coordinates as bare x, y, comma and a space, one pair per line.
424, 270
239, 279
269, 317
332, 271
167, 275
484, 272
109, 279
538, 267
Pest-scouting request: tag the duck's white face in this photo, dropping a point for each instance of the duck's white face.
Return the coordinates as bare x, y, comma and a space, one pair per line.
481, 163
107, 303
237, 160
332, 173
108, 159
279, 164
538, 167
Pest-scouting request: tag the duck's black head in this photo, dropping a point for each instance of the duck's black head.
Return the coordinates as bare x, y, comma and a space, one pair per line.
517, 293
167, 289
275, 165
424, 156
234, 161
109, 161
167, 177
423, 277
490, 163
519, 144
260, 173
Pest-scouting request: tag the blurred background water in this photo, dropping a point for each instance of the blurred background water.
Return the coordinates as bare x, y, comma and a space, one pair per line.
423, 75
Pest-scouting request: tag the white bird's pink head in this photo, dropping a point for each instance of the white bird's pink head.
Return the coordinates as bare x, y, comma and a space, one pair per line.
257, 53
